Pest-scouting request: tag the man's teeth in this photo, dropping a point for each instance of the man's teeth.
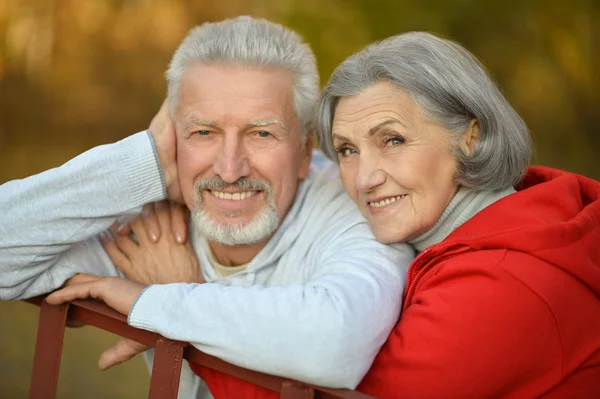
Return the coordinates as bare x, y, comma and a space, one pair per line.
386, 201
233, 196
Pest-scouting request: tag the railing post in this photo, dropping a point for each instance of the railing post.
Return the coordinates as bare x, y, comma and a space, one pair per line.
294, 390
48, 350
166, 369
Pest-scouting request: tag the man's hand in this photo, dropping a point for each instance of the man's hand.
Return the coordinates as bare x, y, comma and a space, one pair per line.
123, 351
147, 262
162, 130
118, 293
76, 279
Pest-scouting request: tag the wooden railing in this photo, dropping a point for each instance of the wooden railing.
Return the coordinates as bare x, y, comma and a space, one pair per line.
169, 355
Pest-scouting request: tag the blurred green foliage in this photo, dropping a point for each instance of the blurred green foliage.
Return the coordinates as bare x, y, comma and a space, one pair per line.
75, 74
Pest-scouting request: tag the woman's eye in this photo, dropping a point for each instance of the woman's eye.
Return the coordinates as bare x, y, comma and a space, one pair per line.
262, 133
345, 151
393, 141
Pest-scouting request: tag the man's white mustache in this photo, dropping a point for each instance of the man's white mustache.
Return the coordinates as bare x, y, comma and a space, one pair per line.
243, 183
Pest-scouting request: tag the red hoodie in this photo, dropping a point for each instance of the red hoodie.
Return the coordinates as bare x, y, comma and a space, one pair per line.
506, 306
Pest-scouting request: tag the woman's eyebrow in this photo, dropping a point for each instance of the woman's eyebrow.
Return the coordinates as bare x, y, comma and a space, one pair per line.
339, 137
374, 129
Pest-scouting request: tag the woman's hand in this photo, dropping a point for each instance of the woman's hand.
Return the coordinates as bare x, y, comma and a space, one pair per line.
179, 219
150, 261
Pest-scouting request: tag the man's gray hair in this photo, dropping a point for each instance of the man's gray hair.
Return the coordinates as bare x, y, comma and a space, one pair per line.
256, 43
453, 88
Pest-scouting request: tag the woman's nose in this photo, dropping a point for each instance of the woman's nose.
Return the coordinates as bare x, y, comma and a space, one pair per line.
369, 175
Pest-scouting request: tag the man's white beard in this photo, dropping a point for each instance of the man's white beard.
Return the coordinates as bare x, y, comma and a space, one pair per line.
258, 229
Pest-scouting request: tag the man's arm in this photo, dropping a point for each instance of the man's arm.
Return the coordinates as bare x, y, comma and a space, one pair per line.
326, 332
49, 221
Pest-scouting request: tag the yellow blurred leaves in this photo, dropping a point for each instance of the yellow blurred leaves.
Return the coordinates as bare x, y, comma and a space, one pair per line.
84, 72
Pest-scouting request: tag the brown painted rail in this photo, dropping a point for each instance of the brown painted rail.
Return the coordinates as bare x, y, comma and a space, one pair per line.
169, 355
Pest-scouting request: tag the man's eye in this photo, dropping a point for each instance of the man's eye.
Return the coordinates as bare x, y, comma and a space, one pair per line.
262, 133
203, 132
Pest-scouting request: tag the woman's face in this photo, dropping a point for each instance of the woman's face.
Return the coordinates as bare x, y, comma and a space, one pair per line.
396, 165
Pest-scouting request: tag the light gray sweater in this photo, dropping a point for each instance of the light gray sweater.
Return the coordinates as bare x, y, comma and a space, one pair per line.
314, 305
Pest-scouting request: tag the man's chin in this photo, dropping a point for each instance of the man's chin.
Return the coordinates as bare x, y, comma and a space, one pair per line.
235, 231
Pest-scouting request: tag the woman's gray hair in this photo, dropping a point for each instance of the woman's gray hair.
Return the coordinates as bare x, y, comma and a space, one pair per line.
452, 87
253, 42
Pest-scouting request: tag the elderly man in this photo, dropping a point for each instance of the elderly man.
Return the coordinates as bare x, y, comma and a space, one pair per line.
312, 295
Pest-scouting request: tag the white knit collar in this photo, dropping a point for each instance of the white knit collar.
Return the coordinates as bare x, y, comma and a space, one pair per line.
465, 204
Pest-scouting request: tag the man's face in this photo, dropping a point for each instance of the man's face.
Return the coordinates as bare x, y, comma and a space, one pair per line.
240, 153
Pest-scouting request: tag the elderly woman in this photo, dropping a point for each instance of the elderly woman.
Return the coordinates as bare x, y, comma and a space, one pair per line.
503, 299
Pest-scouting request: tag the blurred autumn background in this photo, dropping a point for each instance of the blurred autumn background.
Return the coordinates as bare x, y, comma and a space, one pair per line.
78, 73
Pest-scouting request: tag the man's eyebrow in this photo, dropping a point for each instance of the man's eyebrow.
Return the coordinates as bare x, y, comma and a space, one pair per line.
374, 129
198, 122
265, 122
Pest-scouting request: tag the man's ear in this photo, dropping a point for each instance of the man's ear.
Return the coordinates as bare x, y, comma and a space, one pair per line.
468, 141
306, 156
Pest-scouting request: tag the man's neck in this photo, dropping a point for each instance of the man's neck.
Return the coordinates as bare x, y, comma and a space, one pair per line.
236, 255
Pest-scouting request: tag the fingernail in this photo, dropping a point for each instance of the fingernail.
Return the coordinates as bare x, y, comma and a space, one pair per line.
179, 238
103, 236
154, 237
120, 228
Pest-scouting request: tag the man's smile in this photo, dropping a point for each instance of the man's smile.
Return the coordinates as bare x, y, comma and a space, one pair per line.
231, 201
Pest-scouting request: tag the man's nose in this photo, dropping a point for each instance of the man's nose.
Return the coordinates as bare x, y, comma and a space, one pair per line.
369, 175
232, 161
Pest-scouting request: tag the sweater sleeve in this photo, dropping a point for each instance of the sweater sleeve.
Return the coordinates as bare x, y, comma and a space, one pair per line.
49, 221
471, 330
326, 331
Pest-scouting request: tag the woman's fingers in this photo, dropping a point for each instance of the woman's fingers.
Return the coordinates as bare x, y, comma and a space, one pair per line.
146, 220
150, 223
126, 244
179, 219
163, 217
114, 253
159, 218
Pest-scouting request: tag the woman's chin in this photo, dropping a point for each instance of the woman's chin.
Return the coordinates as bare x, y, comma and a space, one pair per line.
385, 236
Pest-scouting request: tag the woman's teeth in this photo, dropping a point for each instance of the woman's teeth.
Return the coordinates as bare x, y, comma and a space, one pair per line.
386, 201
